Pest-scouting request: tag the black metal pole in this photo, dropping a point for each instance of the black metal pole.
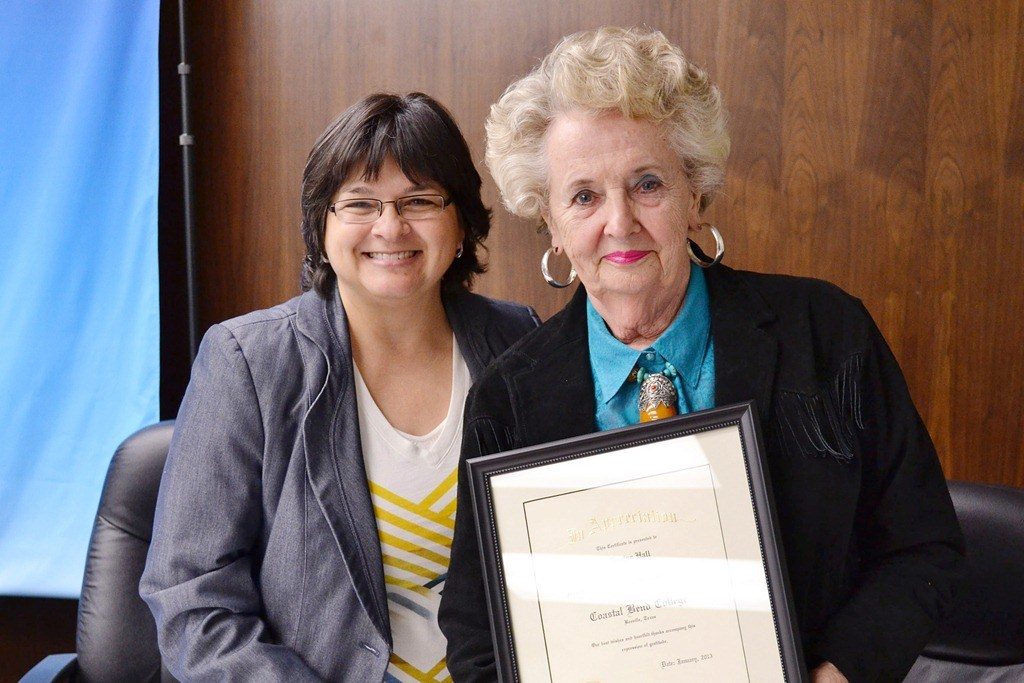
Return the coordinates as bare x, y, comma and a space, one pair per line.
186, 140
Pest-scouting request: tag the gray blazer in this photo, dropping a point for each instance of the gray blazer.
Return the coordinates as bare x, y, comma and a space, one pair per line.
265, 562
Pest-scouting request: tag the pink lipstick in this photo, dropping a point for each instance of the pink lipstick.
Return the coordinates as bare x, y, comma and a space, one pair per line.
625, 257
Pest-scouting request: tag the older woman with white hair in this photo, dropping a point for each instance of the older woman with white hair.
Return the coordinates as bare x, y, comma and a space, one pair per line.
619, 143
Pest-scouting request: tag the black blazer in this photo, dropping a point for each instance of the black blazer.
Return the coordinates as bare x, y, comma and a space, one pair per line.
871, 541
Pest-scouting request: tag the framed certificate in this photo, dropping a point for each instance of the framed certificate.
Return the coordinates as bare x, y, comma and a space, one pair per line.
649, 553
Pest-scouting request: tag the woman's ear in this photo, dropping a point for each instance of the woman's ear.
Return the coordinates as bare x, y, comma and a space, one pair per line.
556, 240
462, 230
693, 213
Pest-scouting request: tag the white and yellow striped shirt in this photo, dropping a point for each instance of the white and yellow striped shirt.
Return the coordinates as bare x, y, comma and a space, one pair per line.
412, 483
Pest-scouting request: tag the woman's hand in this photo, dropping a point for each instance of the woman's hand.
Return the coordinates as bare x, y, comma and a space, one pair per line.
828, 673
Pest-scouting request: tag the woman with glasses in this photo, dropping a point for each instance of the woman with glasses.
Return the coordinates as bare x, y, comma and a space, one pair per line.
306, 511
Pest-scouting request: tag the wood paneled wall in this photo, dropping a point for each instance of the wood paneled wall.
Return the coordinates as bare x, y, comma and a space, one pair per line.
879, 145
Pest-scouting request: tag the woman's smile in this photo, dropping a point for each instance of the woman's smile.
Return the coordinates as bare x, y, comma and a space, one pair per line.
624, 258
392, 258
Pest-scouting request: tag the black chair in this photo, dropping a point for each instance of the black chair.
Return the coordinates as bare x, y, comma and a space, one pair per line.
116, 634
982, 639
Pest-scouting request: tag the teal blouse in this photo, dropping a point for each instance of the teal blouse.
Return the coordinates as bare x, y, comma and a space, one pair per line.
686, 344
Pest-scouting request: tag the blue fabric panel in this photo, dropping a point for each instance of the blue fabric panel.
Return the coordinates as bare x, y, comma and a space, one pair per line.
79, 300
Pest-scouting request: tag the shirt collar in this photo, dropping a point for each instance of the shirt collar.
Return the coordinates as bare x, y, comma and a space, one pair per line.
684, 343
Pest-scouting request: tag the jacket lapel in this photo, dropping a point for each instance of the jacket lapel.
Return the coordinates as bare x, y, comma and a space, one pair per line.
745, 351
334, 462
461, 312
556, 389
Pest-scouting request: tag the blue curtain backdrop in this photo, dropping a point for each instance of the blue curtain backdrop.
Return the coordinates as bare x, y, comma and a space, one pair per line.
79, 307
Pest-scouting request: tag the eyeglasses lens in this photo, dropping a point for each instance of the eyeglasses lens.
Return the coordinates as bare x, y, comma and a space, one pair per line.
369, 210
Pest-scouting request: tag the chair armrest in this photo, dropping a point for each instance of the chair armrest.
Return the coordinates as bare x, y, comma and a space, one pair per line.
52, 668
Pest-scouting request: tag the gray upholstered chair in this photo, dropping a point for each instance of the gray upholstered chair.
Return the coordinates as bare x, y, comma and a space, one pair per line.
982, 639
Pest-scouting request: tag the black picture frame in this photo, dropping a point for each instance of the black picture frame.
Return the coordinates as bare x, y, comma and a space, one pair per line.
483, 472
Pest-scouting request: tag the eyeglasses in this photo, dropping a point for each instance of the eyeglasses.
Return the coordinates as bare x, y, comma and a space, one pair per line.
411, 208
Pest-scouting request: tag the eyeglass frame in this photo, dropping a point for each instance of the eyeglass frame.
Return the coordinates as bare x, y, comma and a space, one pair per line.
445, 203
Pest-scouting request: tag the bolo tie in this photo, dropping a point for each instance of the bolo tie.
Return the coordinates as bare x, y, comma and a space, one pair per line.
658, 397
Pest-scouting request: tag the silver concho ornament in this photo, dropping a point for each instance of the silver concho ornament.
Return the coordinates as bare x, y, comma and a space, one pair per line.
658, 398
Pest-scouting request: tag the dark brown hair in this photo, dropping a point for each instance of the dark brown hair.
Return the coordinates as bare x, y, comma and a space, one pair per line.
423, 139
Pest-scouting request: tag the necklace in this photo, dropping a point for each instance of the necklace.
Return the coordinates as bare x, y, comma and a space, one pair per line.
658, 396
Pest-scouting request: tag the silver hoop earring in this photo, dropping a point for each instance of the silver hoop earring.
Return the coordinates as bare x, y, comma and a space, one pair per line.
547, 274
458, 252
702, 260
